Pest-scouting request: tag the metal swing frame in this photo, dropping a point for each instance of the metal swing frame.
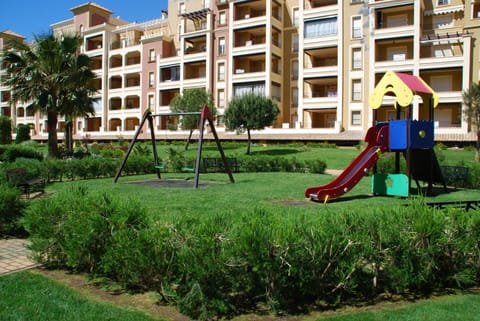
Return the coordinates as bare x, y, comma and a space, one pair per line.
205, 116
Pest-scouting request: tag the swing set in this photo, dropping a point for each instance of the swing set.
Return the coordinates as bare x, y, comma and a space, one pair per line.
205, 116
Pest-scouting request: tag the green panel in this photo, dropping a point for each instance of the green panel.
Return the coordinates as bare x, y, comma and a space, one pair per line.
390, 184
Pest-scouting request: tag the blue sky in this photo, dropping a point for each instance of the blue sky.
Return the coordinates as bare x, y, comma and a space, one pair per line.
35, 16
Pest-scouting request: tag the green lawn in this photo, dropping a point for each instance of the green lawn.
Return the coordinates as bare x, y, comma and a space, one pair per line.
32, 297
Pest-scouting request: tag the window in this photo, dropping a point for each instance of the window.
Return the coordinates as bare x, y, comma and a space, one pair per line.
151, 101
222, 18
296, 16
357, 27
356, 58
151, 79
356, 118
221, 98
151, 55
441, 83
396, 21
443, 2
181, 7
295, 42
221, 72
221, 45
356, 90
397, 53
294, 96
257, 88
320, 28
442, 51
442, 22
205, 4
295, 69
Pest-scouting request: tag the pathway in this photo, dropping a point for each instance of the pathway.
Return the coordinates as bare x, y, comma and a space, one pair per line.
14, 256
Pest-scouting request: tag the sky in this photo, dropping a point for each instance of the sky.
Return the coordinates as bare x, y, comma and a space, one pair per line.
29, 17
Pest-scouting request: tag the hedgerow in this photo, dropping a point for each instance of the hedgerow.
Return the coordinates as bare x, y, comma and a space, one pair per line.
223, 264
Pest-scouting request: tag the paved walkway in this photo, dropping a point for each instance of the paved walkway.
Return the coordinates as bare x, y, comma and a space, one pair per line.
14, 256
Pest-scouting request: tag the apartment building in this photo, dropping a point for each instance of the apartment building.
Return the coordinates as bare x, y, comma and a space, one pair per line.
319, 59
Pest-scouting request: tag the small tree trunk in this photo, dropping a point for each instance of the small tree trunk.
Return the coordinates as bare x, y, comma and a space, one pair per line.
52, 134
187, 144
68, 137
249, 141
477, 149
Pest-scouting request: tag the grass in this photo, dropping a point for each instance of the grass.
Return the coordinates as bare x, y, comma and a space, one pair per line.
28, 296
448, 308
31, 296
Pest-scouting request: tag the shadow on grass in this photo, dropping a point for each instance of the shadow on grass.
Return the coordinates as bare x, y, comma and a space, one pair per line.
275, 152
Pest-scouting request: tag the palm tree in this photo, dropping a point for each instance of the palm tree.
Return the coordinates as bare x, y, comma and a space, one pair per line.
77, 95
471, 98
51, 76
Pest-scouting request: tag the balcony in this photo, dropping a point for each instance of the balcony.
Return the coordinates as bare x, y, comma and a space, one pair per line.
115, 104
444, 51
116, 61
321, 62
115, 82
254, 13
195, 74
132, 102
96, 63
319, 8
394, 22
166, 96
394, 54
321, 33
195, 22
245, 66
97, 83
94, 43
320, 93
169, 74
312, 4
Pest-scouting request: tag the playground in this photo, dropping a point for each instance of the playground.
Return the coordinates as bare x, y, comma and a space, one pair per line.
250, 241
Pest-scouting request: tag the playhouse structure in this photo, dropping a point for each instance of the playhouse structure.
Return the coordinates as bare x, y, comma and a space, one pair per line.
412, 138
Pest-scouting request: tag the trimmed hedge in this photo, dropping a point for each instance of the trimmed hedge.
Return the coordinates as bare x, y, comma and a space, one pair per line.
222, 264
10, 153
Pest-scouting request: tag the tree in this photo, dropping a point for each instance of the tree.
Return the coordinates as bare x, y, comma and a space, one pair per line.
471, 98
250, 112
191, 100
46, 76
77, 95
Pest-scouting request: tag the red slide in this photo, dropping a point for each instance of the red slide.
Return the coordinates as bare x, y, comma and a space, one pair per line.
377, 141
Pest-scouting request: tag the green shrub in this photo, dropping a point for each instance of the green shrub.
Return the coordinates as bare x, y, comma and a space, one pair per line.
23, 133
5, 130
12, 152
11, 211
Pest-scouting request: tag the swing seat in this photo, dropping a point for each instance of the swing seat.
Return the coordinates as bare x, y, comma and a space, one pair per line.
188, 169
159, 167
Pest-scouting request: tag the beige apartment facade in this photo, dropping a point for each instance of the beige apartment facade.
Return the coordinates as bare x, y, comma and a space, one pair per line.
319, 59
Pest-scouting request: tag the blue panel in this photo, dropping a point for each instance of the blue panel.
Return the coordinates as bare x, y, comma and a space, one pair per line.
421, 134
398, 134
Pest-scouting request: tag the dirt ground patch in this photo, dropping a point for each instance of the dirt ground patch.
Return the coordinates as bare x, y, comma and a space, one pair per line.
148, 302
171, 183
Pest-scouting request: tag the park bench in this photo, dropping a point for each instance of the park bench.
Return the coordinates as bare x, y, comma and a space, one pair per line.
455, 175
465, 205
216, 164
18, 177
